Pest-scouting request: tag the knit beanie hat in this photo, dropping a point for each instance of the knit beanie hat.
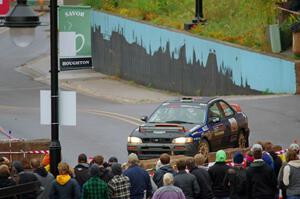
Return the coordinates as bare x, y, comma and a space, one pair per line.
94, 170
256, 147
221, 156
17, 165
294, 147
113, 160
238, 158
116, 169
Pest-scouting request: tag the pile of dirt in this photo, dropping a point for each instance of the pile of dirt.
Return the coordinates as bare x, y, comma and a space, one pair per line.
19, 150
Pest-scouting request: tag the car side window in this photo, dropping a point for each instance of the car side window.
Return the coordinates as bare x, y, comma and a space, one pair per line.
214, 111
226, 109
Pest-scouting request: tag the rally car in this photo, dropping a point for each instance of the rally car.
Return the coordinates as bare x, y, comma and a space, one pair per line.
189, 125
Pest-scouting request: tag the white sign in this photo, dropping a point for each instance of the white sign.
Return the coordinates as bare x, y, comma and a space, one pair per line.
67, 107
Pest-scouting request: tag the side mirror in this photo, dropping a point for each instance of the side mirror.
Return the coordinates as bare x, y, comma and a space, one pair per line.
144, 118
213, 120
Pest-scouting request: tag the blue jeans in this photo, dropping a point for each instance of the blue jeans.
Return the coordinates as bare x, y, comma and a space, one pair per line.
293, 197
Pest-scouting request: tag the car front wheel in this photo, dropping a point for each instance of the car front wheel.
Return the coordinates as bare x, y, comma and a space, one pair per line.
204, 148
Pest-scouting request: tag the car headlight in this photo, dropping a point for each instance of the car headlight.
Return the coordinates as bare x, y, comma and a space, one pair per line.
134, 140
182, 140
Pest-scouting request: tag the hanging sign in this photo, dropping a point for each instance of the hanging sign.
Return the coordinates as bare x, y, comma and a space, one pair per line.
75, 37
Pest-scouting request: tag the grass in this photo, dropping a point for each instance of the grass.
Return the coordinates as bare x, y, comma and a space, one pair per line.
242, 22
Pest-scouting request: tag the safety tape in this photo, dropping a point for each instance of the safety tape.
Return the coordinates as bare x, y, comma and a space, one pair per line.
38, 152
26, 152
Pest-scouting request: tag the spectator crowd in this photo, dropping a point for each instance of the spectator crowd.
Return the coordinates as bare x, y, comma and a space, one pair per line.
259, 174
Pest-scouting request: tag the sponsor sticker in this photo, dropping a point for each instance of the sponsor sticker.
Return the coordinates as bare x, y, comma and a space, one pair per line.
233, 124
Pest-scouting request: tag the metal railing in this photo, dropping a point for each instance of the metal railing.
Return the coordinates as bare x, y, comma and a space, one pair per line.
20, 189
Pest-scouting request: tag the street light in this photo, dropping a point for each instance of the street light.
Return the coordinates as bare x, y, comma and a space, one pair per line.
22, 21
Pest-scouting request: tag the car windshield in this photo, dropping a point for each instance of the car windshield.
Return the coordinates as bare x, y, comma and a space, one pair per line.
179, 113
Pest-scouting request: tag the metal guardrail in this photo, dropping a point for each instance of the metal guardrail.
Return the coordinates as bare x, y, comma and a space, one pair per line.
20, 189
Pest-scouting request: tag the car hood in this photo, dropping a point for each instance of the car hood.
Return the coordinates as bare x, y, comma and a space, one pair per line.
169, 130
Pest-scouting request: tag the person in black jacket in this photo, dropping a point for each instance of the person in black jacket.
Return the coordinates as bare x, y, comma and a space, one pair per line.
217, 174
24, 177
81, 170
261, 179
203, 179
268, 147
165, 168
236, 178
5, 180
186, 181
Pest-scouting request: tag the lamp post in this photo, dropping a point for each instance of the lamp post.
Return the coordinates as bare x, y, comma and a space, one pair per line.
199, 10
198, 16
22, 21
55, 147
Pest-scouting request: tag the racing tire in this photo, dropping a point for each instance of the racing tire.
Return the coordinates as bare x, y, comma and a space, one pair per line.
242, 141
204, 148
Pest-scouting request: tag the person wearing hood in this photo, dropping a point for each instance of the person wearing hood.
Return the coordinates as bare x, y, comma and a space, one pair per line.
261, 179
81, 170
202, 177
24, 177
119, 185
64, 187
5, 179
168, 191
217, 174
291, 175
95, 188
165, 167
43, 176
236, 179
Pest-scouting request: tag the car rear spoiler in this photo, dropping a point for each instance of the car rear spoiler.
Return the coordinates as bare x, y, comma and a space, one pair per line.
236, 107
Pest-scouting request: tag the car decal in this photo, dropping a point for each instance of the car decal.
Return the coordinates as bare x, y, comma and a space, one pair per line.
194, 128
219, 133
233, 124
198, 134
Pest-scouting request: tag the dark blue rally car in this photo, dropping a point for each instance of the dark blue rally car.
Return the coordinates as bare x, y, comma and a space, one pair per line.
187, 126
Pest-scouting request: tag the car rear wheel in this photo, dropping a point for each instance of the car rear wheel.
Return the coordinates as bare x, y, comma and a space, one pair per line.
242, 141
204, 148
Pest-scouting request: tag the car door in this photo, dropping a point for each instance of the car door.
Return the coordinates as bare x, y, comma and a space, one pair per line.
217, 128
231, 125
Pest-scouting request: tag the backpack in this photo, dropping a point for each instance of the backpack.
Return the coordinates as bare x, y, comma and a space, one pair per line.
238, 179
241, 180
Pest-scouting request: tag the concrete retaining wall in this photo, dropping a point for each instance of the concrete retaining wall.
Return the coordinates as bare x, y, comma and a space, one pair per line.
180, 62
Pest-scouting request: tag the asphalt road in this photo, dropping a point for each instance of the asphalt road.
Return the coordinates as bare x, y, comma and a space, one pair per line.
97, 132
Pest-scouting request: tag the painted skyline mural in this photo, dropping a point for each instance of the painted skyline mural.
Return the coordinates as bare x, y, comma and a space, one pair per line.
245, 69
